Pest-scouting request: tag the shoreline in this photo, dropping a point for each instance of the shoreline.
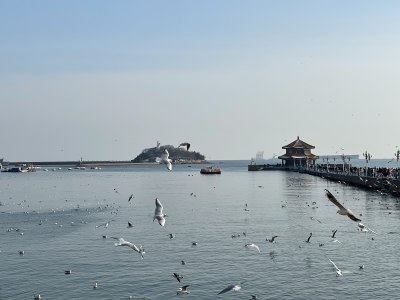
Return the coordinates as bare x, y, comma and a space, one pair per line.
105, 163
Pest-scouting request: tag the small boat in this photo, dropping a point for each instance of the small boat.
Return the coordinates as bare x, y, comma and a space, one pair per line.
22, 169
210, 170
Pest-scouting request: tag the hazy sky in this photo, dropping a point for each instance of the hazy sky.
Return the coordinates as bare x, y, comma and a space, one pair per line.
106, 79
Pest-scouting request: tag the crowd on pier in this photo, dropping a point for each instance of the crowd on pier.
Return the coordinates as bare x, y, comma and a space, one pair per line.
359, 171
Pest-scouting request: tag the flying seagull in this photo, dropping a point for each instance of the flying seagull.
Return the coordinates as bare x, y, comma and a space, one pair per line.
178, 276
122, 242
183, 290
166, 160
253, 246
232, 287
187, 145
338, 271
130, 198
334, 232
158, 213
104, 224
272, 240
342, 210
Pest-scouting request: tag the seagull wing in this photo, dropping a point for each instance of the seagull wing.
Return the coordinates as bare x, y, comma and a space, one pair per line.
165, 155
184, 288
132, 246
334, 200
227, 289
352, 216
169, 165
337, 269
176, 275
159, 208
121, 241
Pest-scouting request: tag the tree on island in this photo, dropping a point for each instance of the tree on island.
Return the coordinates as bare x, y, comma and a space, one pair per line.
176, 154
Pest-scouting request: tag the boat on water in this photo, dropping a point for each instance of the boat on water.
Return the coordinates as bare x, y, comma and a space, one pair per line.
21, 169
210, 170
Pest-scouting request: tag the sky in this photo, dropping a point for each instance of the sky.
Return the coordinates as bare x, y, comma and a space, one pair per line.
103, 80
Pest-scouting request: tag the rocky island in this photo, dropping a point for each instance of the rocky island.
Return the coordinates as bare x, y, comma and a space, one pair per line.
177, 154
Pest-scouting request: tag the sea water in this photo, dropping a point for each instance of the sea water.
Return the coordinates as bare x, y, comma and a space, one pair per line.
54, 218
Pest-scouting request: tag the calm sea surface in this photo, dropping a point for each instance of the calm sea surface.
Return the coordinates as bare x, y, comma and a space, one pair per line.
58, 212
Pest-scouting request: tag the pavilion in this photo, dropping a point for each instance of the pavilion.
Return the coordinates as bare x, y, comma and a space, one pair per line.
298, 153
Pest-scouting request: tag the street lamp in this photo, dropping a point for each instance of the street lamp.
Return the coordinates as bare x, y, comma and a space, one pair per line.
334, 163
348, 158
344, 161
367, 157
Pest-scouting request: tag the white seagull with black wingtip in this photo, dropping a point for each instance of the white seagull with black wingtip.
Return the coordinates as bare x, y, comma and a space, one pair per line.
232, 287
122, 242
158, 213
187, 145
338, 271
342, 210
165, 160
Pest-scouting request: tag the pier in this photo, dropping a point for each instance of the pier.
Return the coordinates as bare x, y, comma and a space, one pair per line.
389, 184
298, 158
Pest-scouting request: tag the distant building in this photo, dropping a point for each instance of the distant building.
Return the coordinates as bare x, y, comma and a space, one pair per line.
260, 155
298, 153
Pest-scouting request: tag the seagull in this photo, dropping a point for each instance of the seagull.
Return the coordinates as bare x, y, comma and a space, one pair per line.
335, 241
171, 235
187, 145
95, 285
178, 276
166, 160
334, 232
253, 246
122, 242
158, 213
364, 228
232, 287
272, 240
130, 225
67, 272
183, 262
338, 271
254, 297
130, 198
183, 290
104, 224
37, 297
342, 210
308, 240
